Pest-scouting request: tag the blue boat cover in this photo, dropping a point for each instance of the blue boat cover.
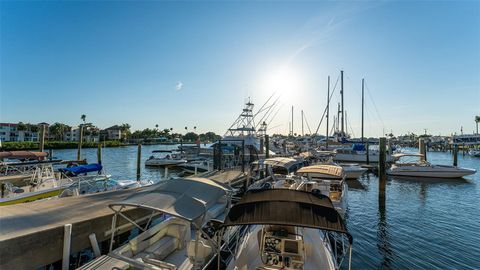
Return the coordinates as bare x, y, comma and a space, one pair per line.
358, 147
94, 167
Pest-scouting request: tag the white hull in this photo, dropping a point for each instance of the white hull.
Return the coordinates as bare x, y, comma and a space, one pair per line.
164, 162
353, 172
430, 171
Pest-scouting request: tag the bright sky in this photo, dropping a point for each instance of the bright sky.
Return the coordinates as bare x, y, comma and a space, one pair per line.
180, 64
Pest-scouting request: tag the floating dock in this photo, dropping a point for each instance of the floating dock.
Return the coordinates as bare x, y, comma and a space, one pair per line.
31, 234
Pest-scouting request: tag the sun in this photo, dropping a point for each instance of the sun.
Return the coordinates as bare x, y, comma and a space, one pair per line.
284, 80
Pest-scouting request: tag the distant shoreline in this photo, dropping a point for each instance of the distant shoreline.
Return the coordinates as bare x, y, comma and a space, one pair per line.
14, 146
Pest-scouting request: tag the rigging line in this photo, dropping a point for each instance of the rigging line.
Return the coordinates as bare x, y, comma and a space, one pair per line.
266, 102
329, 99
268, 113
350, 126
279, 107
304, 116
374, 105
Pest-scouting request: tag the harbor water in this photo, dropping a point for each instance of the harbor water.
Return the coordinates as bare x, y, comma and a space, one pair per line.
418, 224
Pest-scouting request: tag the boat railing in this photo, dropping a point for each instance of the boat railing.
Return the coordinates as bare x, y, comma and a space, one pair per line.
339, 246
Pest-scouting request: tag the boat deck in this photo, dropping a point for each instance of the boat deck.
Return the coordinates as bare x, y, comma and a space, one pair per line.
31, 234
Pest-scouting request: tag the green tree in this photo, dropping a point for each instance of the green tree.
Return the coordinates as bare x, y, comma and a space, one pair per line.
58, 130
477, 120
83, 117
190, 136
21, 126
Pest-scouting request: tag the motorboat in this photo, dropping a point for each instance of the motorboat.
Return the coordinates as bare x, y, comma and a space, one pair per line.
422, 168
168, 160
196, 166
352, 170
175, 239
285, 229
329, 180
474, 152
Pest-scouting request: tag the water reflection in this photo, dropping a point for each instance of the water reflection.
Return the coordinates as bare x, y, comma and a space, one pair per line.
383, 237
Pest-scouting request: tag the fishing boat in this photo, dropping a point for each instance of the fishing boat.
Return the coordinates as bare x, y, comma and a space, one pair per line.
171, 158
329, 180
286, 229
422, 168
176, 239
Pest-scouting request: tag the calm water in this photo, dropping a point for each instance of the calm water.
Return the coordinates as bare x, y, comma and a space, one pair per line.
421, 224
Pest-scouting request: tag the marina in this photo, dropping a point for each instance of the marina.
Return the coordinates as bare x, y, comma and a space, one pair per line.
228, 135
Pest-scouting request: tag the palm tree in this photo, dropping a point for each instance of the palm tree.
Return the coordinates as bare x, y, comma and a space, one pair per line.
83, 117
156, 126
477, 120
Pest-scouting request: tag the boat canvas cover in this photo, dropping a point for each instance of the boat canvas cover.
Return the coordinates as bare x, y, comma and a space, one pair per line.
279, 162
94, 167
286, 207
22, 154
186, 198
332, 170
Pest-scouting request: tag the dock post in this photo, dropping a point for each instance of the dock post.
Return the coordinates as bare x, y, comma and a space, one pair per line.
382, 159
367, 152
261, 146
166, 173
41, 145
67, 237
243, 156
99, 153
50, 154
463, 149
421, 149
139, 160
80, 140
94, 243
267, 146
455, 155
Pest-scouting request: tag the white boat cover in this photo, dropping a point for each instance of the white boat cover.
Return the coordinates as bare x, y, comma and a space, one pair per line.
399, 155
186, 198
278, 161
332, 170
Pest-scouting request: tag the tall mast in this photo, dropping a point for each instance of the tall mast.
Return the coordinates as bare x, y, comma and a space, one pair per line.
346, 129
292, 120
328, 109
302, 124
363, 105
338, 118
341, 93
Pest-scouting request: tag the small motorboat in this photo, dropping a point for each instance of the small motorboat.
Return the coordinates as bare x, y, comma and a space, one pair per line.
353, 170
423, 168
168, 160
474, 152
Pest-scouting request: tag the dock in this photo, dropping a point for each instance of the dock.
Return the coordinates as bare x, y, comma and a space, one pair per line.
31, 234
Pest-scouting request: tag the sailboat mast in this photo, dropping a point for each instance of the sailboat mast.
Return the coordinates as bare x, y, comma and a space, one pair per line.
302, 124
341, 93
328, 109
363, 105
292, 120
338, 117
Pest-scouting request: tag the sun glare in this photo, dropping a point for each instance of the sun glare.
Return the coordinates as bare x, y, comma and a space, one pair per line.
285, 81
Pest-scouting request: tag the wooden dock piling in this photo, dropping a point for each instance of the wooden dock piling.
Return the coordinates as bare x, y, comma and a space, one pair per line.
41, 145
139, 160
99, 153
267, 146
80, 140
422, 150
455, 155
382, 159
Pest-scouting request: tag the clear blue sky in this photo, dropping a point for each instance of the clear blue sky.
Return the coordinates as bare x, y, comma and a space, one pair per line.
122, 62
